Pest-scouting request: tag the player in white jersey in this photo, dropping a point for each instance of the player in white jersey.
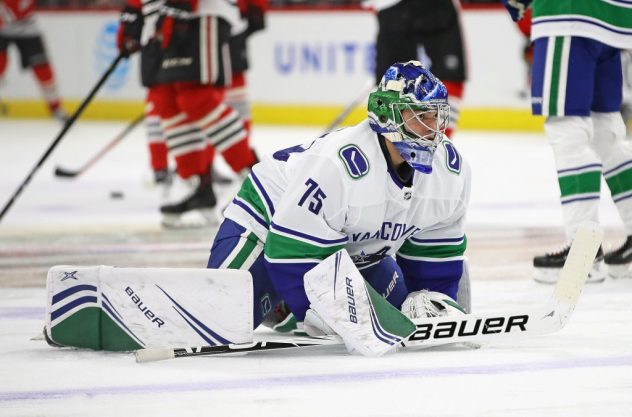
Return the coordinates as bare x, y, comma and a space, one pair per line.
577, 85
392, 191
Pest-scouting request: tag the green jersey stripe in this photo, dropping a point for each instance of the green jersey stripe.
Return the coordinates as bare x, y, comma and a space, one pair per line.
249, 193
609, 13
283, 247
240, 258
410, 249
555, 76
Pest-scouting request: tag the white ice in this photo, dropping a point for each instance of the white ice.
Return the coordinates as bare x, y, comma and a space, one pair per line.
583, 370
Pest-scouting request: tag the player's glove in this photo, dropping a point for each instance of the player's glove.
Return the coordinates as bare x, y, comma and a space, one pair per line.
421, 304
255, 17
129, 30
516, 8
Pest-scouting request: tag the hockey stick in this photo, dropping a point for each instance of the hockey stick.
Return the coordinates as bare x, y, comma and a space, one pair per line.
436, 331
352, 105
66, 173
159, 354
61, 134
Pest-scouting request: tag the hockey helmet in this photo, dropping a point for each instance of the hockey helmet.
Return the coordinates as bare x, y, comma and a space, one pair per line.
410, 86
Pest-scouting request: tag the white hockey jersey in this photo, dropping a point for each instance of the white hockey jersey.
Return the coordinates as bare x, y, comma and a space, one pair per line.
308, 201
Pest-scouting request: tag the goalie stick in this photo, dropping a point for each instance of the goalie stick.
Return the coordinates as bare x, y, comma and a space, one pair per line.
158, 354
436, 331
67, 173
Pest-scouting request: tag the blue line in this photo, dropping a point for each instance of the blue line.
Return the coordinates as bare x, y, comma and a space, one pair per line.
196, 321
625, 197
82, 300
377, 328
562, 171
580, 199
263, 192
617, 167
110, 305
202, 335
306, 236
72, 290
346, 378
254, 214
448, 240
119, 321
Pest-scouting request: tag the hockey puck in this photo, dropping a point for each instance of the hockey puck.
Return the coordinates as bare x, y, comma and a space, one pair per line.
116, 195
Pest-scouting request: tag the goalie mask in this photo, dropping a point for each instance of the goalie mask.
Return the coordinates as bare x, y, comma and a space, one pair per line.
410, 108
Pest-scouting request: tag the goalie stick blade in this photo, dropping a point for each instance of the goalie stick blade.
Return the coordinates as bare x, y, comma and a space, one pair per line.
64, 173
548, 318
158, 354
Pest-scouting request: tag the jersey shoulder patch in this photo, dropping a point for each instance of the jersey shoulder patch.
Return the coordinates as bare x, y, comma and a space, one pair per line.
452, 157
354, 160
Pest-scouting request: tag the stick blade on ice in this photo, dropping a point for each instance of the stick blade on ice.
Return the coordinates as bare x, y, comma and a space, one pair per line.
61, 172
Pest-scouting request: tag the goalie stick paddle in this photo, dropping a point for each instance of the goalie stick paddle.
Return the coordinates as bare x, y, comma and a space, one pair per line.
67, 173
436, 331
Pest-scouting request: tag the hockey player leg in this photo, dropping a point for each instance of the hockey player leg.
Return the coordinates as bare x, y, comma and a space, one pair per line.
609, 143
367, 323
108, 308
237, 247
192, 197
464, 293
579, 178
157, 144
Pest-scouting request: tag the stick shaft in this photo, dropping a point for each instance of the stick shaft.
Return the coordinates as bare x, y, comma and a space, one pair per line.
122, 135
151, 355
349, 108
60, 135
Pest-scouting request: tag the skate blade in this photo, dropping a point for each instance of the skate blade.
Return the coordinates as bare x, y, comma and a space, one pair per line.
619, 271
550, 276
193, 219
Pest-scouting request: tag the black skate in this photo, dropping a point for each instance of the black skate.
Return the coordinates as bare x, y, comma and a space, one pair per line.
619, 260
547, 267
196, 208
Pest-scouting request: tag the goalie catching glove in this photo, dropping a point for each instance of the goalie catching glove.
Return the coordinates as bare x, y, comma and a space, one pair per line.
423, 304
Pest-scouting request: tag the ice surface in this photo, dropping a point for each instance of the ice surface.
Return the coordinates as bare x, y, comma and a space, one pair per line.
584, 370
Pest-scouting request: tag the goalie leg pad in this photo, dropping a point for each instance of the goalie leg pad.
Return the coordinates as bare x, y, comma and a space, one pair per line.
366, 322
108, 308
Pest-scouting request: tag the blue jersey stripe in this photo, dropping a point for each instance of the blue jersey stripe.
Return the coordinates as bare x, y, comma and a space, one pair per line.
306, 236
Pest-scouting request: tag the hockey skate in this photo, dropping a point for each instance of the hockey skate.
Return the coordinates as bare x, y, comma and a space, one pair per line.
547, 267
195, 205
618, 261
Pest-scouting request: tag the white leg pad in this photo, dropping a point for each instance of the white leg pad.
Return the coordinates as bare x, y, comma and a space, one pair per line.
367, 323
108, 308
